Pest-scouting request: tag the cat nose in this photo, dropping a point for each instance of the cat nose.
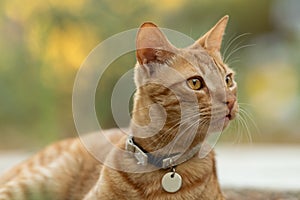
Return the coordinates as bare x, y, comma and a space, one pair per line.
230, 102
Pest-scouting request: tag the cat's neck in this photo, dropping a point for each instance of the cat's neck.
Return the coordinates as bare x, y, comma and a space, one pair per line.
154, 129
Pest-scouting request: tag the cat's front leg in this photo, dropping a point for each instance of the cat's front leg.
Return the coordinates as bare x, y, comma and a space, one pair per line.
4, 194
101, 191
112, 186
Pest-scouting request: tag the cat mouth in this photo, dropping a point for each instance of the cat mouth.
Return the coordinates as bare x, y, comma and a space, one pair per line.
229, 116
222, 122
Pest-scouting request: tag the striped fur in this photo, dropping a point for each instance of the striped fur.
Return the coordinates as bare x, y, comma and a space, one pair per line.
67, 171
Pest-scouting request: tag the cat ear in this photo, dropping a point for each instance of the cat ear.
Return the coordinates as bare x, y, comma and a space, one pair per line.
212, 40
152, 45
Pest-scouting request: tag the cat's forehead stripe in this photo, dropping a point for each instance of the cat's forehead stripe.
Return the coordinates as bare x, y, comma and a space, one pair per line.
202, 62
207, 64
220, 66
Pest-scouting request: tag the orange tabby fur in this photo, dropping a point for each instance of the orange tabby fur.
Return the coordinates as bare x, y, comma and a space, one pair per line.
66, 170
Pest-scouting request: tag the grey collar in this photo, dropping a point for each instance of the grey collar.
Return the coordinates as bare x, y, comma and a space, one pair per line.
164, 162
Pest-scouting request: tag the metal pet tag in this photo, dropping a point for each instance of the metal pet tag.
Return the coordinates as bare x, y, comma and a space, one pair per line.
171, 182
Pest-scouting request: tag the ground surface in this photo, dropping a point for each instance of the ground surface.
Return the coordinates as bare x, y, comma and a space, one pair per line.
259, 166
254, 194
272, 171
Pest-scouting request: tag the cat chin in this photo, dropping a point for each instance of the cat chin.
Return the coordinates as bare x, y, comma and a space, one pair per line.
219, 125
226, 123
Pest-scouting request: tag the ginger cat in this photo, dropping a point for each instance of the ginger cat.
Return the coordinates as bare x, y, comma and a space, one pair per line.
182, 96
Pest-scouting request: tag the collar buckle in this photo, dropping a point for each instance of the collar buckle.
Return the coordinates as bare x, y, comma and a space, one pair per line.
141, 156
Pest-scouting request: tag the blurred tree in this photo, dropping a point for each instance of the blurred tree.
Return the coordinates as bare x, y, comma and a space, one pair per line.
42, 46
43, 43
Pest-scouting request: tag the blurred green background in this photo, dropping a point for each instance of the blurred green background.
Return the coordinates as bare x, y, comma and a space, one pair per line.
43, 43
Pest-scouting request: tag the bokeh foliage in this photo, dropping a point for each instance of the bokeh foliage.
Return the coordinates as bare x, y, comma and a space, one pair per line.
43, 43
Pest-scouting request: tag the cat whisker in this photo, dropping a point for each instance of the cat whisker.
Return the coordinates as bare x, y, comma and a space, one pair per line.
236, 50
185, 138
182, 133
231, 41
217, 114
245, 125
233, 61
245, 105
236, 129
165, 136
187, 117
251, 119
239, 126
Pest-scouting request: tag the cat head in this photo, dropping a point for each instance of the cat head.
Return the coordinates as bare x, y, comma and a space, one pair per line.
193, 87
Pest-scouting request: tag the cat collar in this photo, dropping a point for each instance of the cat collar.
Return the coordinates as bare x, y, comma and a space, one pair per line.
167, 161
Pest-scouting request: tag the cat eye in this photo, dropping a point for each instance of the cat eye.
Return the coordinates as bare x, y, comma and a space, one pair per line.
194, 83
228, 80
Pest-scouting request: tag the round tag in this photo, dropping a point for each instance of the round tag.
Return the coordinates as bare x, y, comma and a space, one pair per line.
171, 182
